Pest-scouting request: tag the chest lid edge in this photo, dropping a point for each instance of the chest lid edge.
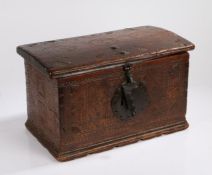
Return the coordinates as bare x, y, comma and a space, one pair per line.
60, 57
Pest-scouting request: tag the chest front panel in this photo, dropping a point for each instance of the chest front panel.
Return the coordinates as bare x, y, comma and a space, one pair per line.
86, 114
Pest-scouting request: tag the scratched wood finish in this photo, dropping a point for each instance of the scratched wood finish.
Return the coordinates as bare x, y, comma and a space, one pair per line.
69, 106
61, 57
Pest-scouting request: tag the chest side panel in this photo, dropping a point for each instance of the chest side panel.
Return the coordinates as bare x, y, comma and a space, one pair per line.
85, 102
42, 107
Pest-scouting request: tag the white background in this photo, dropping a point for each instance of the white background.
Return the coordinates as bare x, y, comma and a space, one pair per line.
27, 21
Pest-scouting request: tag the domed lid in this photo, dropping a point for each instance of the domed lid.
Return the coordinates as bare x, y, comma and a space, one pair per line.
79, 54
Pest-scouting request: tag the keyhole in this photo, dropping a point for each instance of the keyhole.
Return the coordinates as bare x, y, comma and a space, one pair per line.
122, 101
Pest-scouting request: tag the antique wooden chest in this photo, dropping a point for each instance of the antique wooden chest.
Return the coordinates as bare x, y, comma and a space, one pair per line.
92, 93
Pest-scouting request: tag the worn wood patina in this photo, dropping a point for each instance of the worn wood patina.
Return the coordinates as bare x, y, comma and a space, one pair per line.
92, 93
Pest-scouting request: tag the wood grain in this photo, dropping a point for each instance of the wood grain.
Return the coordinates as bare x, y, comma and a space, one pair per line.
67, 56
71, 83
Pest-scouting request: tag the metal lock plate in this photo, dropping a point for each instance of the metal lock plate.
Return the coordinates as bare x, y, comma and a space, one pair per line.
131, 98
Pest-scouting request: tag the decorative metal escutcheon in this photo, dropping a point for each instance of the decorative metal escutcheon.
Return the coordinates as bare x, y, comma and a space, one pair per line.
131, 98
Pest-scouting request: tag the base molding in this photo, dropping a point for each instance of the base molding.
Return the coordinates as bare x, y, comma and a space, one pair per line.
103, 146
